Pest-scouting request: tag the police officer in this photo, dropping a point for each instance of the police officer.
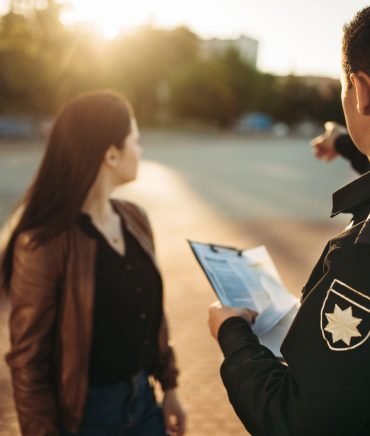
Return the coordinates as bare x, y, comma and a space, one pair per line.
324, 388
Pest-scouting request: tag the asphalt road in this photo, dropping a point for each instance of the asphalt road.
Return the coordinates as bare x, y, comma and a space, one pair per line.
243, 178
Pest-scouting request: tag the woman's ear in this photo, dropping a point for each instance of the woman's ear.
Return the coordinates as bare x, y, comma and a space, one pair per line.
111, 156
361, 83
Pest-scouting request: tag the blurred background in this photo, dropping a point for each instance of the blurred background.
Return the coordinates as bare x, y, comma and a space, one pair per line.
227, 95
50, 51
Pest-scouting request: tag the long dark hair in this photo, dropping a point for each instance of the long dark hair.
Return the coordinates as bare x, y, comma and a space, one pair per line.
82, 133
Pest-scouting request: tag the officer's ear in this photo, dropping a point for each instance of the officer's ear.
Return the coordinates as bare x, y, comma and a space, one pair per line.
361, 83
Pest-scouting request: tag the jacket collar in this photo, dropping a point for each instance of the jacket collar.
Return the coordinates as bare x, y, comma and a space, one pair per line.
346, 199
349, 198
363, 238
137, 224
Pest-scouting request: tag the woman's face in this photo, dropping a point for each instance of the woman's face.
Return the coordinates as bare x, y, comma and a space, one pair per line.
129, 156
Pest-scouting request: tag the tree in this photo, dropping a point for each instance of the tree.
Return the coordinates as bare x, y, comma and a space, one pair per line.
201, 90
44, 63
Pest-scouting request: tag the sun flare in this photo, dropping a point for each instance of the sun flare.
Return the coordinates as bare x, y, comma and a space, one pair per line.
111, 17
290, 33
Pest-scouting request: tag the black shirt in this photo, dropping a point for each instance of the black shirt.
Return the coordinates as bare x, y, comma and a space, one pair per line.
127, 309
324, 389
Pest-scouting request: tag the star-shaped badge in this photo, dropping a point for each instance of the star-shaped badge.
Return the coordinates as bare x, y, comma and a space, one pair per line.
342, 325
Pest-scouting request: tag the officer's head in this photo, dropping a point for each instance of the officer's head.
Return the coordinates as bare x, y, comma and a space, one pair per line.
356, 79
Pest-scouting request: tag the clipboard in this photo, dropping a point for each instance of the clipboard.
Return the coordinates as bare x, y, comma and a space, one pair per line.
249, 278
214, 248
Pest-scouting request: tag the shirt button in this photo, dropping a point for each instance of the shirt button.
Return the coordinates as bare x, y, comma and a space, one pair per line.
139, 290
128, 267
143, 315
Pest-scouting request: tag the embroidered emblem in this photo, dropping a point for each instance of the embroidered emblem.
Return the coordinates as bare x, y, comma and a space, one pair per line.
342, 325
345, 317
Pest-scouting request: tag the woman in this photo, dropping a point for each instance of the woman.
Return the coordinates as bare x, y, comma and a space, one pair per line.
87, 322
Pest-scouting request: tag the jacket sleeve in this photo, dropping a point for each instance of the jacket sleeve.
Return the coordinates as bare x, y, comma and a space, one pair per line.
321, 392
166, 371
345, 147
33, 298
258, 385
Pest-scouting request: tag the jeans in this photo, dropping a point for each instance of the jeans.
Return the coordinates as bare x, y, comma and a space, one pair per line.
123, 409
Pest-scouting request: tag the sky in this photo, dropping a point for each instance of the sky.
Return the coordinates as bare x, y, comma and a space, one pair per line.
295, 36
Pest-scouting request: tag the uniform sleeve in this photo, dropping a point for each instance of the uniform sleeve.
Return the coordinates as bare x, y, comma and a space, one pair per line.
258, 385
319, 392
32, 322
345, 147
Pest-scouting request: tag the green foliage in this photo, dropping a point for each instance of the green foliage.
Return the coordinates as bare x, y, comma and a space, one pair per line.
219, 90
29, 48
299, 100
43, 64
201, 90
141, 63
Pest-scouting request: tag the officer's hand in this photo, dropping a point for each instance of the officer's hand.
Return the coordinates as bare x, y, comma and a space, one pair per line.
323, 146
219, 313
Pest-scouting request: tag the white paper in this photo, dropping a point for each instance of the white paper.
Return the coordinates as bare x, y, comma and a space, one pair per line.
250, 279
273, 338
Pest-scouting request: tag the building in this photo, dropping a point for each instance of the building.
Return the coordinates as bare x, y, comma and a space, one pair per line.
247, 47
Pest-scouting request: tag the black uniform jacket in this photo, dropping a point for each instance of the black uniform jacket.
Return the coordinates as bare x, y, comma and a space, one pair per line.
345, 146
324, 388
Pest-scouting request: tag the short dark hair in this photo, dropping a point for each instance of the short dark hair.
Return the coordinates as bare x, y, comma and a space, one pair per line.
356, 44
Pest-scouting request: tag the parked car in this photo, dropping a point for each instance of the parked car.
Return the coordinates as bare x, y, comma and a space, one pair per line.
17, 128
254, 122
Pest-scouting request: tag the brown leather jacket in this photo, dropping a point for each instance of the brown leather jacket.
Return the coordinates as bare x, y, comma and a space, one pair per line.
52, 297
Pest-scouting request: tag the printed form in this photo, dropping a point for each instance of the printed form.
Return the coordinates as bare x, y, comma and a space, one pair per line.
249, 278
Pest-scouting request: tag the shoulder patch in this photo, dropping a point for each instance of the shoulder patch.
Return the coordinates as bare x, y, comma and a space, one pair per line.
345, 317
